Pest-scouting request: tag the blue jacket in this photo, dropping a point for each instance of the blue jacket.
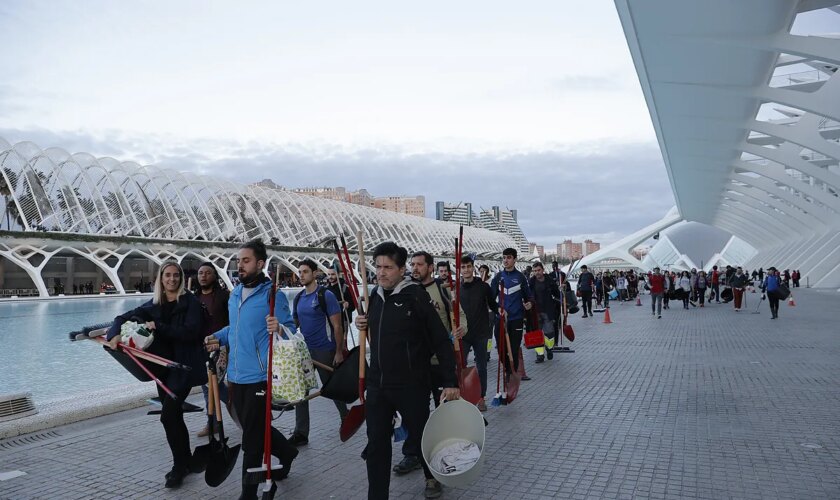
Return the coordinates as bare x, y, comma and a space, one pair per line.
771, 283
247, 336
516, 291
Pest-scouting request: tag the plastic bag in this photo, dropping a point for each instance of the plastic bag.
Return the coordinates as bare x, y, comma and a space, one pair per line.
136, 335
292, 371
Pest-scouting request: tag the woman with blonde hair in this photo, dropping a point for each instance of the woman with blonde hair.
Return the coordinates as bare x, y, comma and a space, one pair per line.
176, 319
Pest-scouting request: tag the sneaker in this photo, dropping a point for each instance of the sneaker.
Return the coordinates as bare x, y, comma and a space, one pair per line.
175, 477
585, 316
701, 305
540, 358
526, 377
482, 406
433, 488
204, 432
659, 317
409, 463
549, 353
298, 440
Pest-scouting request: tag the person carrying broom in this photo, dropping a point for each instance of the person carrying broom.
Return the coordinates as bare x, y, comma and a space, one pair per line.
175, 318
247, 340
404, 331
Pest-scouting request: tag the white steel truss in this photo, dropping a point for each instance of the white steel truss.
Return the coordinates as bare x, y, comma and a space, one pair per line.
747, 116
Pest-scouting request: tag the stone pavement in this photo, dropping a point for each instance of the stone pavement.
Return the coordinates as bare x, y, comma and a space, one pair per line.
706, 403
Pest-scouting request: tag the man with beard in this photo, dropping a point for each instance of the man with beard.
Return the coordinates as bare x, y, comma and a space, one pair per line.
247, 342
421, 271
342, 293
215, 300
405, 330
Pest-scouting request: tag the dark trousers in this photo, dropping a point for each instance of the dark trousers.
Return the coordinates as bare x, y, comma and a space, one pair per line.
586, 297
177, 436
701, 295
514, 328
773, 298
302, 409
380, 406
250, 408
480, 348
715, 295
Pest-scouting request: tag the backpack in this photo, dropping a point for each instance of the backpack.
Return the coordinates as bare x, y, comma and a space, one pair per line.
322, 304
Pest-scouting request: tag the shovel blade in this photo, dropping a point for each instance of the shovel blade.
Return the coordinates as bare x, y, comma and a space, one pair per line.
470, 385
513, 387
201, 457
221, 462
352, 422
569, 333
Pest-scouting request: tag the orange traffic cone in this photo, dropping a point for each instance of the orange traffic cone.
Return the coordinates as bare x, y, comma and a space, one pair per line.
791, 303
638, 300
607, 316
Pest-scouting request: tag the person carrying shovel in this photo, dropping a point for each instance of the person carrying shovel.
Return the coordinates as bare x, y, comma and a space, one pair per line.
247, 340
404, 331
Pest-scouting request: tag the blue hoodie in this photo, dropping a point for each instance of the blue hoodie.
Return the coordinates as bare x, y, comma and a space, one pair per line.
516, 291
247, 336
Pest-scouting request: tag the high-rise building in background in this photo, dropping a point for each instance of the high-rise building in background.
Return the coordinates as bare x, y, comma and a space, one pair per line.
590, 247
462, 213
538, 250
495, 219
411, 205
569, 250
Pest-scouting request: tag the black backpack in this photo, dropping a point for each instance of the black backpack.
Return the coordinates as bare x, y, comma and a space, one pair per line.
322, 304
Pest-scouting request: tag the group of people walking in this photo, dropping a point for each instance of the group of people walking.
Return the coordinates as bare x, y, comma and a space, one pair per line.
411, 329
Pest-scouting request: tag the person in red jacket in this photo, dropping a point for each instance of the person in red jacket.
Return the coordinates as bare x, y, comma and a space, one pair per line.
656, 281
715, 282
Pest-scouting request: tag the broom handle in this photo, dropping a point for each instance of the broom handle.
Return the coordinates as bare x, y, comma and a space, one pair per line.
362, 310
268, 389
152, 376
346, 274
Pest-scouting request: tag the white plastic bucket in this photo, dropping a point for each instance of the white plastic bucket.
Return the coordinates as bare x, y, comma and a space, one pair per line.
450, 421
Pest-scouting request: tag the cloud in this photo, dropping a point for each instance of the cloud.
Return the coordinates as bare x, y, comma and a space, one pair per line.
588, 83
590, 190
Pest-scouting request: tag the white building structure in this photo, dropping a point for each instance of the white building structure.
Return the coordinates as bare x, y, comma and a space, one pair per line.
747, 115
105, 211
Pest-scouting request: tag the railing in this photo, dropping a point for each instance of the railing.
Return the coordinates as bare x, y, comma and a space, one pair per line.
19, 292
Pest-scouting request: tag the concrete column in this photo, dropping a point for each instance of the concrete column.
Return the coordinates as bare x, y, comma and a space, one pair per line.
69, 281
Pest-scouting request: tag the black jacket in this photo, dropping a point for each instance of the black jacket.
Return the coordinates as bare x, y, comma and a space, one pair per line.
340, 290
404, 331
181, 339
547, 301
476, 301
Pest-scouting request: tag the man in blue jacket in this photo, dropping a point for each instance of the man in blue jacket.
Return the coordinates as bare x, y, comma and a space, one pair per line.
517, 300
246, 338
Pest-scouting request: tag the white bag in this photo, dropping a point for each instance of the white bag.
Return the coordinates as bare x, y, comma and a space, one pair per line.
137, 334
292, 371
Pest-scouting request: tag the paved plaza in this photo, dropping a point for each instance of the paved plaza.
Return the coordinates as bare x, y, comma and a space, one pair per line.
706, 403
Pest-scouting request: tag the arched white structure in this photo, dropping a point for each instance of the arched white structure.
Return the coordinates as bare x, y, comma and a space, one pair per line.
103, 211
748, 120
618, 255
55, 191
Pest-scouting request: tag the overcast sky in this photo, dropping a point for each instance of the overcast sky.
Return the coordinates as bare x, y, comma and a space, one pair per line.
534, 106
